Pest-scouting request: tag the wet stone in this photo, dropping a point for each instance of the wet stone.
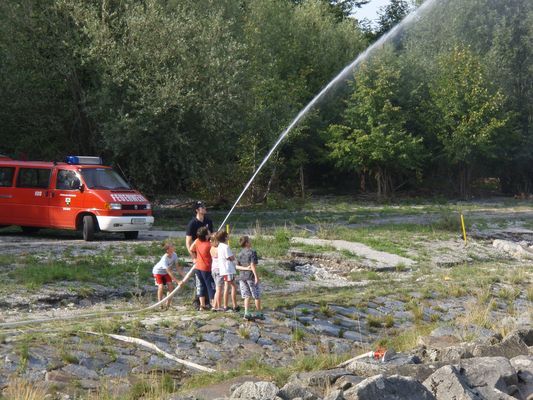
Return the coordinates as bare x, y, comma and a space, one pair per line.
231, 340
95, 363
36, 361
349, 312
89, 384
325, 328
265, 342
336, 346
163, 364
355, 336
373, 312
305, 320
280, 337
58, 376
116, 369
212, 337
80, 372
344, 321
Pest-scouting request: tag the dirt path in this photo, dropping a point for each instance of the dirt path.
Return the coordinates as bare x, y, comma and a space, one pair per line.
380, 257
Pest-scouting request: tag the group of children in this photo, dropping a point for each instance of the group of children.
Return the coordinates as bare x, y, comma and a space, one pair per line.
215, 267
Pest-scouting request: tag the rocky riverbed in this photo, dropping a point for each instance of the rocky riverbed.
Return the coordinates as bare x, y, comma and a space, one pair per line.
440, 305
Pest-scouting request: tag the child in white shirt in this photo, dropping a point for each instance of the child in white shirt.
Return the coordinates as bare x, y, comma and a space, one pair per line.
227, 269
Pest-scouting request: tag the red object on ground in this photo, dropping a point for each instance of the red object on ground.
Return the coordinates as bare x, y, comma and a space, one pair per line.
378, 354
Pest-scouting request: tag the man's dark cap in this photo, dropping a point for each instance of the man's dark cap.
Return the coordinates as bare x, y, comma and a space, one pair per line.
198, 205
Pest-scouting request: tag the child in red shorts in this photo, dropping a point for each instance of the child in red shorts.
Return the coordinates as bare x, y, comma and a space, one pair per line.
163, 274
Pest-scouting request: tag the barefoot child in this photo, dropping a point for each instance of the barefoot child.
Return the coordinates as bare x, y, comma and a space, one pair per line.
227, 269
215, 272
248, 278
163, 274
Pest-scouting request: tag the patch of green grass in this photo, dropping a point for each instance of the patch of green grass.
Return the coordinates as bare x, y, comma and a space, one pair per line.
311, 248
298, 335
67, 357
96, 269
529, 294
364, 276
326, 310
373, 321
255, 367
388, 321
23, 350
417, 309
407, 339
265, 273
508, 294
273, 246
7, 259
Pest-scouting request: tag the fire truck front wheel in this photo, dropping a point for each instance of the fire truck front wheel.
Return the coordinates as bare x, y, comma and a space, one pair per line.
131, 235
88, 228
29, 230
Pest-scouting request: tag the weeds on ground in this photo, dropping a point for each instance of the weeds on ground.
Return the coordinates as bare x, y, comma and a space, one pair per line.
94, 269
149, 387
20, 389
255, 367
273, 246
407, 339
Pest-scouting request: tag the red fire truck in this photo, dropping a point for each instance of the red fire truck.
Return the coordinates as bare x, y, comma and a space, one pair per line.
78, 194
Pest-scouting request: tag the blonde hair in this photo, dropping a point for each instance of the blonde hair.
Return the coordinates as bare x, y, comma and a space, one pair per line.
168, 245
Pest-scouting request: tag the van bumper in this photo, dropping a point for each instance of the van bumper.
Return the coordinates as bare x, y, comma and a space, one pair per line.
124, 224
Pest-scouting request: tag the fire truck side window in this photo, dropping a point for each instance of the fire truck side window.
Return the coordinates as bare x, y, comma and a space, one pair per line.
33, 178
6, 176
67, 180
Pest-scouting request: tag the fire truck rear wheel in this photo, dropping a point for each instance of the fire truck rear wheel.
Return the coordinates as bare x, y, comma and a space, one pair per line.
131, 235
28, 230
88, 228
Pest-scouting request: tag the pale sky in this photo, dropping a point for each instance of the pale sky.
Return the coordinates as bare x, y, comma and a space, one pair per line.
370, 10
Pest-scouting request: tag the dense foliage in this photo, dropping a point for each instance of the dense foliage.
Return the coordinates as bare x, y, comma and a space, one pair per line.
189, 95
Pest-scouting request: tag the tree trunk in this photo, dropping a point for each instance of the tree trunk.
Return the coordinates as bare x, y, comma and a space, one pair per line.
362, 181
465, 176
302, 182
269, 185
384, 183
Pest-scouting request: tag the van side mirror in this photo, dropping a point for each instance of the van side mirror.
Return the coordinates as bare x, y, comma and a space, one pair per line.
81, 187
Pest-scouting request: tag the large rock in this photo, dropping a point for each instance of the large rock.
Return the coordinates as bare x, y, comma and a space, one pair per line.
493, 377
294, 389
315, 382
515, 250
395, 387
419, 372
466, 333
511, 346
256, 391
368, 367
334, 395
447, 384
524, 370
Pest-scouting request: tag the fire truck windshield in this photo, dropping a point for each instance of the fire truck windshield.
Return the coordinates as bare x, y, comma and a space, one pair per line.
103, 178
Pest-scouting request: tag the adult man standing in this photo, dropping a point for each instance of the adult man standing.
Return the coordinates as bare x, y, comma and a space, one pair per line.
199, 220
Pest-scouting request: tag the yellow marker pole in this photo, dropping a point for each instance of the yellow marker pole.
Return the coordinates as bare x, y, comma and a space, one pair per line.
463, 226
227, 231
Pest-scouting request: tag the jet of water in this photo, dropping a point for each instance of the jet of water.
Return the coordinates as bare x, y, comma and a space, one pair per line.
410, 18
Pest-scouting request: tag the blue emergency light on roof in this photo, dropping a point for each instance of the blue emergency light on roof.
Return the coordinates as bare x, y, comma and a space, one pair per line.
86, 160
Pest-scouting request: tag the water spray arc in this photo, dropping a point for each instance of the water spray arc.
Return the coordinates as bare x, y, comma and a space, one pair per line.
341, 76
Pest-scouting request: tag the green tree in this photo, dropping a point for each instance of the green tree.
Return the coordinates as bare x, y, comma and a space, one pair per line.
373, 137
468, 112
391, 14
42, 98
